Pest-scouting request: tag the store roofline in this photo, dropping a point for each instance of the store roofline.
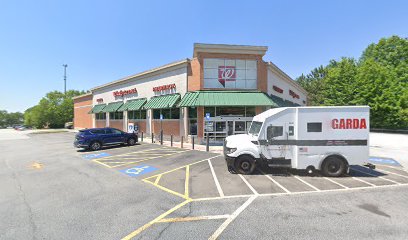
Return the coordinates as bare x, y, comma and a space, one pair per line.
286, 77
144, 73
83, 95
229, 49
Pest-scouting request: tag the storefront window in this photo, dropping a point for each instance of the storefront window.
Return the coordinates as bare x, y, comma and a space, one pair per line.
193, 127
137, 114
115, 115
168, 113
239, 126
100, 116
220, 126
210, 110
175, 113
156, 114
192, 113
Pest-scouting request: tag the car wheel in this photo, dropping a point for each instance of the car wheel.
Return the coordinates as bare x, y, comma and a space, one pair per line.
245, 165
131, 141
333, 166
95, 146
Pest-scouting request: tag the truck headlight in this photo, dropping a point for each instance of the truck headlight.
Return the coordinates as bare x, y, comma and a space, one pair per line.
230, 150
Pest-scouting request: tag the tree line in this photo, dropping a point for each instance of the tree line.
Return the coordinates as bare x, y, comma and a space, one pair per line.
379, 79
53, 110
8, 119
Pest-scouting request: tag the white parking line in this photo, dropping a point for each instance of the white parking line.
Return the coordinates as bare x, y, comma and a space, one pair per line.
382, 170
339, 184
274, 181
225, 224
377, 176
217, 183
361, 180
308, 184
249, 185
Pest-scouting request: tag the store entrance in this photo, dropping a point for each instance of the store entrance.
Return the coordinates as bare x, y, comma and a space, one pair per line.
218, 128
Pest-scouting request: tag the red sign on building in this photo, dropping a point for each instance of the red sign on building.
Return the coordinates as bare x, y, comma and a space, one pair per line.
124, 92
293, 94
164, 87
277, 89
226, 74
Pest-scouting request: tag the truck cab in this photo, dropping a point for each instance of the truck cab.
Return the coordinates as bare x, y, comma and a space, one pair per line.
308, 138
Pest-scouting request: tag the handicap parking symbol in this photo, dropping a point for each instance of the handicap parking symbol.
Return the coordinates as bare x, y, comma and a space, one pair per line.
138, 170
95, 155
385, 161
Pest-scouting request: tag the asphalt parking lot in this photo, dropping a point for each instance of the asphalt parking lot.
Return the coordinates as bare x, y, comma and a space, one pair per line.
150, 191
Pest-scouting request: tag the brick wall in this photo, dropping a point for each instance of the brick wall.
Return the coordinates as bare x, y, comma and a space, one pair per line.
194, 72
170, 127
118, 124
100, 123
82, 105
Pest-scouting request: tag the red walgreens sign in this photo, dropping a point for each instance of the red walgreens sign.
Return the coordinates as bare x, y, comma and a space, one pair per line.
226, 74
164, 87
293, 94
277, 89
349, 123
124, 92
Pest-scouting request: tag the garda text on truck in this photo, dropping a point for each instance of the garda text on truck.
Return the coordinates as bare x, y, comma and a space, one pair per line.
313, 138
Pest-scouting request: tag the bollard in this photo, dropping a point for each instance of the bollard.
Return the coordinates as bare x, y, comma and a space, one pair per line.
171, 140
152, 137
207, 146
192, 142
141, 138
161, 137
182, 137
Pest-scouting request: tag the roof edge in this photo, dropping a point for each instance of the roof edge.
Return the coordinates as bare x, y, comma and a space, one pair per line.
229, 49
144, 73
286, 77
82, 95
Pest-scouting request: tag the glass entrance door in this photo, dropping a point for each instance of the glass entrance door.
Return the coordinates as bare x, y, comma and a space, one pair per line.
230, 129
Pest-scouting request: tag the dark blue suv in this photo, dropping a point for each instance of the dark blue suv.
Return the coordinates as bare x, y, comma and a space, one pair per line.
95, 138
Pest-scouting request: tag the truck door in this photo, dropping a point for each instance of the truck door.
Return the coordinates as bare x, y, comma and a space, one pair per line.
276, 148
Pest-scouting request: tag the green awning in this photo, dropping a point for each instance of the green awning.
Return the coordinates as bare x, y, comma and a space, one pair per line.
165, 101
283, 103
226, 98
112, 107
98, 108
132, 105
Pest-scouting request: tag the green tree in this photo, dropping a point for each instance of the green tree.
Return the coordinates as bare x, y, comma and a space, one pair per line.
378, 79
53, 110
12, 118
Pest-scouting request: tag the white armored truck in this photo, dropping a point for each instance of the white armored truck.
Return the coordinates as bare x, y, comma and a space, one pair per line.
328, 139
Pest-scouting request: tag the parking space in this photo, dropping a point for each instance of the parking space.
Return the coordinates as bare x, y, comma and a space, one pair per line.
202, 179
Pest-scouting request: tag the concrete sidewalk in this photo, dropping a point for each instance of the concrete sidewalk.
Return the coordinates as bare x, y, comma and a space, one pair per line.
199, 147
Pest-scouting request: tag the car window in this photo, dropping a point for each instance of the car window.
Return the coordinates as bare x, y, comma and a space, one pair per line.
97, 131
108, 131
116, 131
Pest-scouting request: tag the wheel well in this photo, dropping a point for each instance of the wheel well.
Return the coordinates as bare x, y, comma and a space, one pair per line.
337, 156
246, 155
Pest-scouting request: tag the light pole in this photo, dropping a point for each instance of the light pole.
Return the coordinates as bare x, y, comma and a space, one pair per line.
65, 77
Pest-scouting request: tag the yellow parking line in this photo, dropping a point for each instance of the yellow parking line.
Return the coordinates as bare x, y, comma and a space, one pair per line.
166, 189
146, 226
127, 163
181, 167
97, 161
189, 219
186, 190
157, 180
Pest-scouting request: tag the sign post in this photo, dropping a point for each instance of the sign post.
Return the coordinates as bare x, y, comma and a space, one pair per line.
131, 127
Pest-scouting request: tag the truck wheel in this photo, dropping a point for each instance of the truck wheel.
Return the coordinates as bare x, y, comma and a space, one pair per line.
95, 146
245, 165
333, 166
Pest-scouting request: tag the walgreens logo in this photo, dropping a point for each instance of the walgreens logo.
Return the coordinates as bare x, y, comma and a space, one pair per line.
226, 73
122, 93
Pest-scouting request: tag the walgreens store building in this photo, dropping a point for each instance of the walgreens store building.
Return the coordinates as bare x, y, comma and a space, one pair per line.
215, 94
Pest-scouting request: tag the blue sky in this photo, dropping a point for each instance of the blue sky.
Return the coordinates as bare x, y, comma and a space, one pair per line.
102, 41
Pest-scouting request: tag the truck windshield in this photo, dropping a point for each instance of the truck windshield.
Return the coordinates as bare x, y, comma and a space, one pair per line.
255, 128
